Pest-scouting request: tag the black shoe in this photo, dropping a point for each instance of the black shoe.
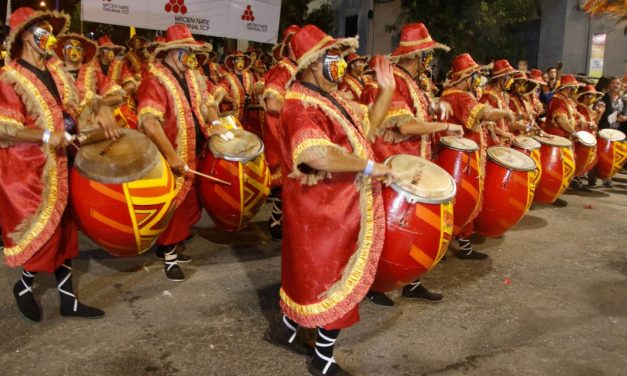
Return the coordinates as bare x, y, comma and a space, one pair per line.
421, 293
174, 272
276, 231
334, 370
576, 184
26, 303
608, 184
278, 334
471, 255
83, 311
380, 299
180, 256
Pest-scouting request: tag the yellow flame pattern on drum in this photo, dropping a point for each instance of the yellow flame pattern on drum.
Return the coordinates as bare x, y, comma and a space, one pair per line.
537, 174
443, 225
568, 166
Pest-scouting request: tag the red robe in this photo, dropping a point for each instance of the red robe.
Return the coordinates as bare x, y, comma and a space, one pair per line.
500, 101
276, 80
587, 113
118, 72
561, 105
408, 103
161, 97
37, 230
352, 87
91, 80
239, 90
333, 224
467, 112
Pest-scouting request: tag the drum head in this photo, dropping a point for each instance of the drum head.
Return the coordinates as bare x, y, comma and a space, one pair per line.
458, 143
586, 138
612, 134
527, 143
420, 180
511, 159
554, 141
128, 158
244, 147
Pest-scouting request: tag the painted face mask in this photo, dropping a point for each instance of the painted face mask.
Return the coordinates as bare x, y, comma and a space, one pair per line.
333, 67
188, 58
427, 58
520, 87
475, 80
42, 35
108, 54
507, 82
424, 82
239, 64
73, 51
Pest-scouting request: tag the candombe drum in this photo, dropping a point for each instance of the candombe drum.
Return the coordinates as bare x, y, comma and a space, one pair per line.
419, 221
508, 188
122, 193
585, 152
530, 147
611, 151
240, 162
460, 158
558, 168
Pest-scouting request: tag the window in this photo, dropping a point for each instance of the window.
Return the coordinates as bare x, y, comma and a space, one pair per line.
350, 26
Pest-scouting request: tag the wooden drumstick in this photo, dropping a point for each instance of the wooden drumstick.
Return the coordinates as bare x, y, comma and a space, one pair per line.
187, 169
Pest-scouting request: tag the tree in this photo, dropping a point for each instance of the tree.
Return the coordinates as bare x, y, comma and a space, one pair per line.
483, 28
323, 17
296, 12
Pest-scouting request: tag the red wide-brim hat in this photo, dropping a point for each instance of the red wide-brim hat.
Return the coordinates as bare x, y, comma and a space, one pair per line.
535, 75
278, 52
569, 81
106, 42
589, 89
310, 43
23, 17
522, 76
89, 46
415, 39
229, 60
502, 68
353, 57
179, 36
462, 67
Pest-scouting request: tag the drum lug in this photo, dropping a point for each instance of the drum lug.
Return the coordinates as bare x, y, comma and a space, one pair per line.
508, 177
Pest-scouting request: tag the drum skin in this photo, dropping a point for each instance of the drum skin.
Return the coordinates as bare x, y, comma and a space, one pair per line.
416, 238
558, 170
585, 158
124, 219
232, 207
463, 166
611, 157
535, 155
508, 196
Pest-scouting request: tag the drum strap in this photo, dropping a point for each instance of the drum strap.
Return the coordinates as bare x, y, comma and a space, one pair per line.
331, 99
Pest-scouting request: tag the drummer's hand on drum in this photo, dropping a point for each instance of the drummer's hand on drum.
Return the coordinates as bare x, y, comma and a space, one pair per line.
105, 120
382, 171
455, 129
222, 131
177, 165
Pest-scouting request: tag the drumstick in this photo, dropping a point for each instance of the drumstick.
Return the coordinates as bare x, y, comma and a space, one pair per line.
187, 169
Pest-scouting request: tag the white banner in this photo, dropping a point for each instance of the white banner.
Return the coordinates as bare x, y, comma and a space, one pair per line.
254, 20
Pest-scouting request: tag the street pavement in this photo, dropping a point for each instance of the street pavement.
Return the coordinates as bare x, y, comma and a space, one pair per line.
550, 300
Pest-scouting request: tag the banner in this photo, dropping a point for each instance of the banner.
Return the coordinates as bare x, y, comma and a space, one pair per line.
253, 20
597, 53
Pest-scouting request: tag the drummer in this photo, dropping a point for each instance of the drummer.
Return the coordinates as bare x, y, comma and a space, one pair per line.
113, 67
334, 221
37, 100
174, 113
462, 80
591, 109
562, 116
353, 83
407, 126
78, 54
495, 94
520, 102
276, 81
239, 83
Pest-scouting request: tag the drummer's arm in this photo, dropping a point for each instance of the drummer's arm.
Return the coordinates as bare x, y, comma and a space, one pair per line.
35, 136
561, 121
418, 128
387, 85
113, 100
493, 114
336, 160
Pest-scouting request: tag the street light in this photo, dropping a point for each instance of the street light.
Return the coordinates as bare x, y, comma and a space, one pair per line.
42, 4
